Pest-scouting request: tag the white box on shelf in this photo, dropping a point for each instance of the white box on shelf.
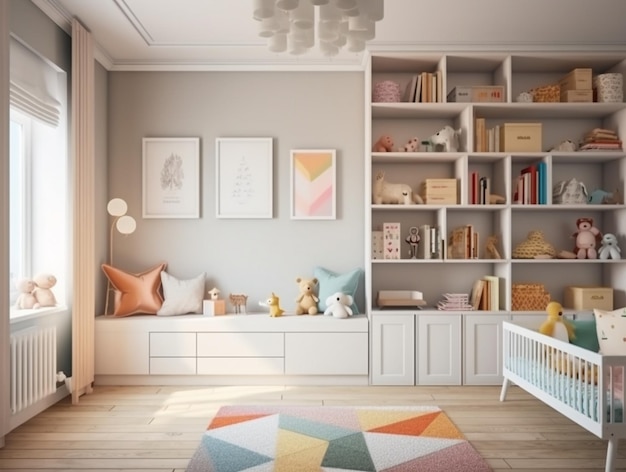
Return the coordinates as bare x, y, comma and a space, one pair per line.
378, 245
391, 239
214, 307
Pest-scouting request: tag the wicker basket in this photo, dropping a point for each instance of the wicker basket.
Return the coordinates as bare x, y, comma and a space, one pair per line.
534, 245
529, 297
547, 93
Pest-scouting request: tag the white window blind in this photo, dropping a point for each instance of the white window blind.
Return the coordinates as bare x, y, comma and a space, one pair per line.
34, 85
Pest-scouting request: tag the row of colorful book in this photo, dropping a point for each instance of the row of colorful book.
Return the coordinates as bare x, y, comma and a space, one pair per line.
531, 185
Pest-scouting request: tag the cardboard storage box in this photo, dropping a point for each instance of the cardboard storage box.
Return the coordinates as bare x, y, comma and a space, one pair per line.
520, 137
588, 298
577, 96
578, 79
439, 191
477, 93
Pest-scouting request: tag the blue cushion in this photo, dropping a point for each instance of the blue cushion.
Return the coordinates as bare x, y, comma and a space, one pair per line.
331, 282
586, 335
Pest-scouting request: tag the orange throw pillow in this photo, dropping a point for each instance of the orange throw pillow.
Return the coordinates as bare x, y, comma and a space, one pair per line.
136, 293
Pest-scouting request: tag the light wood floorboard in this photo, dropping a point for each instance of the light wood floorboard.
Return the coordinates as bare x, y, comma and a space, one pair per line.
157, 429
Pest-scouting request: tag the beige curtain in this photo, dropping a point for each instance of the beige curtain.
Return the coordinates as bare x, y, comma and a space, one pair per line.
83, 165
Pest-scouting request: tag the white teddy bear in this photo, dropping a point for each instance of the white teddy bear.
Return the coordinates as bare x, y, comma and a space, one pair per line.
338, 305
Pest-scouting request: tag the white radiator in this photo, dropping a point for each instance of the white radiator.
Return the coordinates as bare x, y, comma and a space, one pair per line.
33, 366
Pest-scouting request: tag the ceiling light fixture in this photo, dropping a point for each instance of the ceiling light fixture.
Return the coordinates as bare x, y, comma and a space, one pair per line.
292, 25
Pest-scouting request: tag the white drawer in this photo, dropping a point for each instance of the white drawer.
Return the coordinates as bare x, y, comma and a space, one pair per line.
326, 354
172, 344
241, 345
241, 366
172, 366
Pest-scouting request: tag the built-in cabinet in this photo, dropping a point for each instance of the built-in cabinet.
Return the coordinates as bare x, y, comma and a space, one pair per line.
429, 346
232, 349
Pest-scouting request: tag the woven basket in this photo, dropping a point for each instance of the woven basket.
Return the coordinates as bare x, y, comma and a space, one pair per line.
534, 245
547, 93
529, 297
386, 91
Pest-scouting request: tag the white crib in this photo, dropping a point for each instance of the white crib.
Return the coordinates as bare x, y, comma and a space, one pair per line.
585, 386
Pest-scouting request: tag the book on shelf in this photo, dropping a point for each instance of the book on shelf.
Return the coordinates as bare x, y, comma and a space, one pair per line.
485, 190
530, 184
454, 302
542, 189
479, 127
409, 92
493, 291
423, 248
477, 293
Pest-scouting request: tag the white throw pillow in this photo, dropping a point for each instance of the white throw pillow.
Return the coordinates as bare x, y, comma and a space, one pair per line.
611, 329
181, 296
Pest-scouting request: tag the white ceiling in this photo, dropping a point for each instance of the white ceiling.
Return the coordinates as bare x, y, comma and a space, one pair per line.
214, 34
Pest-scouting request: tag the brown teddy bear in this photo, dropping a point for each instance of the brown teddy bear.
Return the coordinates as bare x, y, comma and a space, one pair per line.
384, 144
307, 300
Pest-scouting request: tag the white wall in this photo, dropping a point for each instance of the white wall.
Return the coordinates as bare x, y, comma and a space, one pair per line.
299, 110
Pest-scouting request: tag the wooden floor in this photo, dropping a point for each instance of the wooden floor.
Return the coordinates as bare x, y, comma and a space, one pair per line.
157, 429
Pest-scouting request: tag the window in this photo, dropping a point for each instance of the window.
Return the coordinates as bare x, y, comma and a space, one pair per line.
39, 218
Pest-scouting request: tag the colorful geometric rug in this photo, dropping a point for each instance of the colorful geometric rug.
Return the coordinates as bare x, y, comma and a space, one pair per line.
326, 438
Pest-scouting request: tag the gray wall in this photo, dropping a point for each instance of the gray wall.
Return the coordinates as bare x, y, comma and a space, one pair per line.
300, 110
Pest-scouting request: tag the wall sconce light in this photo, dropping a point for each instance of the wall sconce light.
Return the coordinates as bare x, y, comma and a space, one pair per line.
125, 224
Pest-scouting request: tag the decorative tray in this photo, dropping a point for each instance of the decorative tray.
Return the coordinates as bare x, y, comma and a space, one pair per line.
398, 298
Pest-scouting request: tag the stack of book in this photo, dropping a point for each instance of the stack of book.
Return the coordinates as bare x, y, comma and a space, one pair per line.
430, 245
480, 190
486, 139
486, 293
531, 185
463, 243
600, 139
425, 87
454, 302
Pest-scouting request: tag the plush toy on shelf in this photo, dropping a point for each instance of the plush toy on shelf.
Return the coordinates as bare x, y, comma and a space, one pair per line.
273, 302
338, 305
556, 325
609, 248
43, 293
412, 145
587, 239
387, 192
26, 299
448, 137
306, 302
384, 144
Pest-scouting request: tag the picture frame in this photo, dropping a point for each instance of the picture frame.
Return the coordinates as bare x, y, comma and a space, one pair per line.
171, 177
313, 184
244, 173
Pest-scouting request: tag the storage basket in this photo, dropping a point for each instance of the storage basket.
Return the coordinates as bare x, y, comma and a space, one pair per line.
534, 245
529, 297
609, 88
547, 93
386, 91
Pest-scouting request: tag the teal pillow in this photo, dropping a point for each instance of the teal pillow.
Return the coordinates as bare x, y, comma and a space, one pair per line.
586, 334
331, 282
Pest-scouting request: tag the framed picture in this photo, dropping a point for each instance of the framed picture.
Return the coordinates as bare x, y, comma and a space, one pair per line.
244, 170
313, 184
171, 178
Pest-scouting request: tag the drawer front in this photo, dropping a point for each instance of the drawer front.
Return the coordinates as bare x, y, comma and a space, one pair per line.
172, 344
172, 366
326, 354
121, 352
241, 366
241, 345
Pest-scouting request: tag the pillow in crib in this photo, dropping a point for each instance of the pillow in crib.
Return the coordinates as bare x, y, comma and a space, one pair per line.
181, 296
611, 330
586, 335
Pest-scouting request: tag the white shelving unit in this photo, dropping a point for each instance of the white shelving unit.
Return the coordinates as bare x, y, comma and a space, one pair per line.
399, 335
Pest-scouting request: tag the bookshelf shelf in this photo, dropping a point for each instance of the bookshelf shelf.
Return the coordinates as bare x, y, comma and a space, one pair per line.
510, 222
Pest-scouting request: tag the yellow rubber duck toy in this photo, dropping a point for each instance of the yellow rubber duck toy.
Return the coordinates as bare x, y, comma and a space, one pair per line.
556, 325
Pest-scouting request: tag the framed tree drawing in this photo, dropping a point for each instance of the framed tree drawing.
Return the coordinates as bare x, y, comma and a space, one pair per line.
313, 184
244, 170
171, 178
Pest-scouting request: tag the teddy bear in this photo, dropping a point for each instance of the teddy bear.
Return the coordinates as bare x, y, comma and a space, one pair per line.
411, 146
384, 192
306, 302
587, 238
338, 305
26, 298
609, 248
43, 295
384, 144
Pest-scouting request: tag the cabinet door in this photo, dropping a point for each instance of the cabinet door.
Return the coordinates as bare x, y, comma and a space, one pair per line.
438, 349
326, 353
483, 349
121, 352
393, 348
